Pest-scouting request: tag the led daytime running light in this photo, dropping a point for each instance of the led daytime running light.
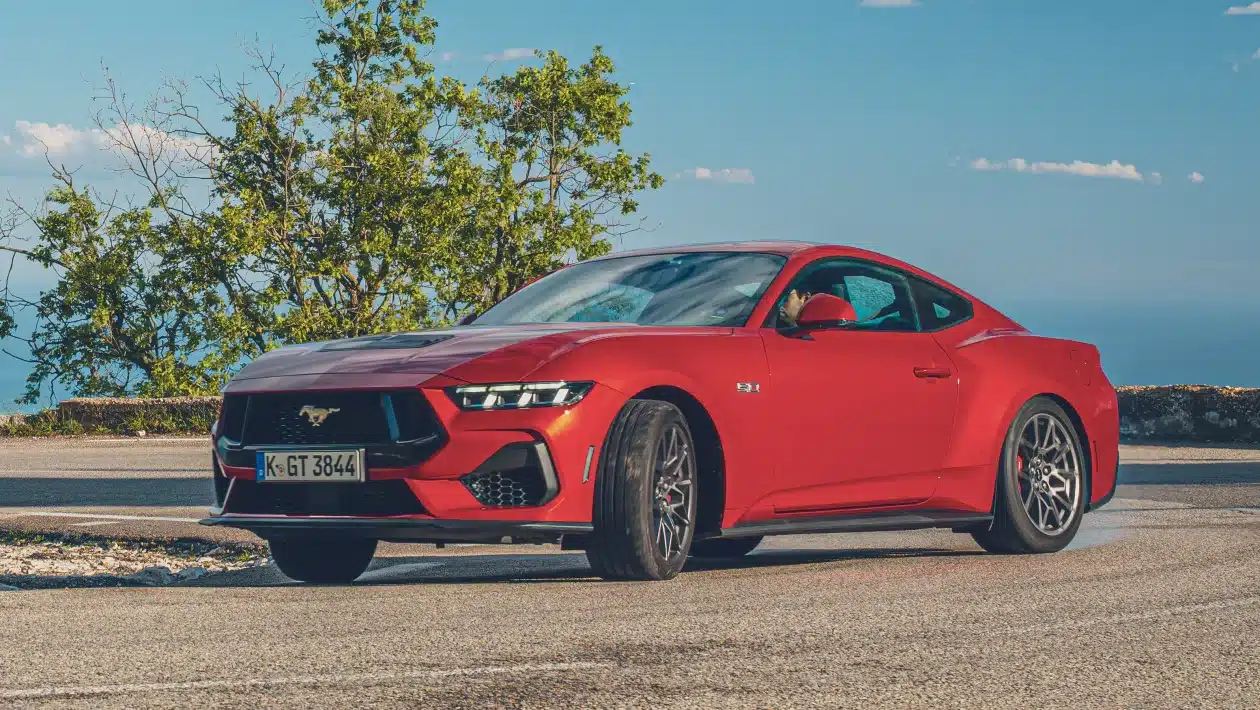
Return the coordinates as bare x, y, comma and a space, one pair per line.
519, 395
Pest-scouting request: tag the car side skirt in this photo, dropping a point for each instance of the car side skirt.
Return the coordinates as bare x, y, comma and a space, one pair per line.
858, 522
404, 530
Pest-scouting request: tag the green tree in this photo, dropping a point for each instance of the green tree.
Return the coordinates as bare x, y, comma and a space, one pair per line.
370, 196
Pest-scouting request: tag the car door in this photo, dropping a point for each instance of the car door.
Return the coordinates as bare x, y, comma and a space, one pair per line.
866, 412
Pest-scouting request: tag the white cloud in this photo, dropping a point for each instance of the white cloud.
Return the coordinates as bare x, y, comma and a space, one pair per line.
889, 3
1114, 169
1252, 9
1197, 177
1156, 178
739, 175
447, 56
1256, 55
511, 53
33, 139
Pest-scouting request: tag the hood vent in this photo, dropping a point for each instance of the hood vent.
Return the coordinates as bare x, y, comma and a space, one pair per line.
396, 341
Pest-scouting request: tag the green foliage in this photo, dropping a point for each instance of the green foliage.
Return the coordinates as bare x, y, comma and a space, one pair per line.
372, 196
46, 423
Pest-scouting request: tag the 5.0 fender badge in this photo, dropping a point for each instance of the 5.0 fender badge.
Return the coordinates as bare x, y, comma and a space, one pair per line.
316, 415
747, 387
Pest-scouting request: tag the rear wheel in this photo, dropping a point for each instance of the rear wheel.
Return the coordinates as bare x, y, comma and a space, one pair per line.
724, 548
322, 560
645, 494
1040, 495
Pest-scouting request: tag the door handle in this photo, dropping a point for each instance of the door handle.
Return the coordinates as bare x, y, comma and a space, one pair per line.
932, 372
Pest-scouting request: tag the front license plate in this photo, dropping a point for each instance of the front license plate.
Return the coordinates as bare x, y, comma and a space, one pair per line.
309, 466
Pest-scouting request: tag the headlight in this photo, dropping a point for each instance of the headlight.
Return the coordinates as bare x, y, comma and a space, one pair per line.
519, 395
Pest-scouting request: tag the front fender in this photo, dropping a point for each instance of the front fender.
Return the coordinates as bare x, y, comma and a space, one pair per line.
708, 366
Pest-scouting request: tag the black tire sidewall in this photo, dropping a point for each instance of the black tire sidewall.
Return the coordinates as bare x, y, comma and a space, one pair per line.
623, 544
317, 560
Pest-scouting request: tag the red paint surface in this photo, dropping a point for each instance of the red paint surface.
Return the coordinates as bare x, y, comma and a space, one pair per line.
845, 421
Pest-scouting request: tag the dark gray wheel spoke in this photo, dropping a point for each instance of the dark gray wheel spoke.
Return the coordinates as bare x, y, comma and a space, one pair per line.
1050, 476
672, 490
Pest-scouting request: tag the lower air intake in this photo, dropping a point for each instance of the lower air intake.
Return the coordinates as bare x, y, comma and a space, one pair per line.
519, 475
370, 499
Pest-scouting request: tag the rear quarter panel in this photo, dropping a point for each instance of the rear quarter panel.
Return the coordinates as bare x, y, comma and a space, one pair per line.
997, 376
707, 364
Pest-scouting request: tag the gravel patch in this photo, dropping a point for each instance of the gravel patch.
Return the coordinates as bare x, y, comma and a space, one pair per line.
58, 561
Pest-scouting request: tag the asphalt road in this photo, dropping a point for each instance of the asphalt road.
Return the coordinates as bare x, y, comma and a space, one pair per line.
1157, 604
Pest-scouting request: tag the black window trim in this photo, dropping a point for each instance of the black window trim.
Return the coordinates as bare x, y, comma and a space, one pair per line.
971, 307
914, 306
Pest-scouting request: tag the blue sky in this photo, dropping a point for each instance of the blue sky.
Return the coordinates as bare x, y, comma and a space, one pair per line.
839, 122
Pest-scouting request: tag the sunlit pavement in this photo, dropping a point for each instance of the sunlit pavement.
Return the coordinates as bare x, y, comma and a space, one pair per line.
1155, 605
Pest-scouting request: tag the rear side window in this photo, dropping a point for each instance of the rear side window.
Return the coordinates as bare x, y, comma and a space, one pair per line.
938, 308
868, 295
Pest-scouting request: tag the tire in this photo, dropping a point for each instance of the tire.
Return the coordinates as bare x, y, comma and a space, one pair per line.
724, 548
629, 542
1027, 496
322, 560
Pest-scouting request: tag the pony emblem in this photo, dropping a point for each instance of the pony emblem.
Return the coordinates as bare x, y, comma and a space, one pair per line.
316, 415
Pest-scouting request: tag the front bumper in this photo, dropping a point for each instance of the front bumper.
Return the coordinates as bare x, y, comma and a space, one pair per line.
404, 529
453, 494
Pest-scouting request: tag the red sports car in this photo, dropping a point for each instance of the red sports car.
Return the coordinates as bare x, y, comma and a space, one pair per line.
656, 405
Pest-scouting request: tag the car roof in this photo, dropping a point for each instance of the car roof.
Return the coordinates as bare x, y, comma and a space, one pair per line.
784, 248
796, 248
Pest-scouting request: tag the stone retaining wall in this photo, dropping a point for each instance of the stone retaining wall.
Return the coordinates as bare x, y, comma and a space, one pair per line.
1190, 413
157, 414
173, 415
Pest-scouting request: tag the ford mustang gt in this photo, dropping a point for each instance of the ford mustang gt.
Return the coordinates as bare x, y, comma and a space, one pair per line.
653, 406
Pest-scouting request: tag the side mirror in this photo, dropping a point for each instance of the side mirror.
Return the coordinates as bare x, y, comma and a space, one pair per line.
826, 311
468, 319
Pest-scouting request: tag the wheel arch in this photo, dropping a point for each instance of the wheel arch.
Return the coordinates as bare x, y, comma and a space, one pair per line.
710, 456
1078, 425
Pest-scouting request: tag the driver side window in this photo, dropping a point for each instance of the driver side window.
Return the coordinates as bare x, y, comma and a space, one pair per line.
880, 296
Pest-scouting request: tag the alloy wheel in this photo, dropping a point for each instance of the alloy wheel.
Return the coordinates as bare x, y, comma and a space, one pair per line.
673, 492
1049, 472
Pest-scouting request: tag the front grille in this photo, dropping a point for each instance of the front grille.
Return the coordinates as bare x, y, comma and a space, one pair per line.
232, 416
352, 418
372, 498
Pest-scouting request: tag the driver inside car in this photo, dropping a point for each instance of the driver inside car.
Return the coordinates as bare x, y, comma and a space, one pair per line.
790, 311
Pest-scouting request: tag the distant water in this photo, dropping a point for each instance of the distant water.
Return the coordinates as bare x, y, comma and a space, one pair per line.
1140, 344
1150, 344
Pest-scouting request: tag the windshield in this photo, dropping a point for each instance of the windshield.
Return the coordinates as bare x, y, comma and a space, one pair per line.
697, 288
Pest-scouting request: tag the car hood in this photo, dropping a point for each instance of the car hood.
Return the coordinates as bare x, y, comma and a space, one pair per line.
515, 350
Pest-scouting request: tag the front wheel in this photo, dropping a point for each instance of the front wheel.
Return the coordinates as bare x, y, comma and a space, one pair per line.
645, 494
322, 560
1041, 493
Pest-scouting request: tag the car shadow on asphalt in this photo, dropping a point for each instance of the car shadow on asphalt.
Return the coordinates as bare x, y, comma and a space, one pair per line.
1207, 473
35, 491
550, 568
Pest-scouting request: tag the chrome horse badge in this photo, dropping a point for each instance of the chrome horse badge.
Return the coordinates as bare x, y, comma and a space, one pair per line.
316, 415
